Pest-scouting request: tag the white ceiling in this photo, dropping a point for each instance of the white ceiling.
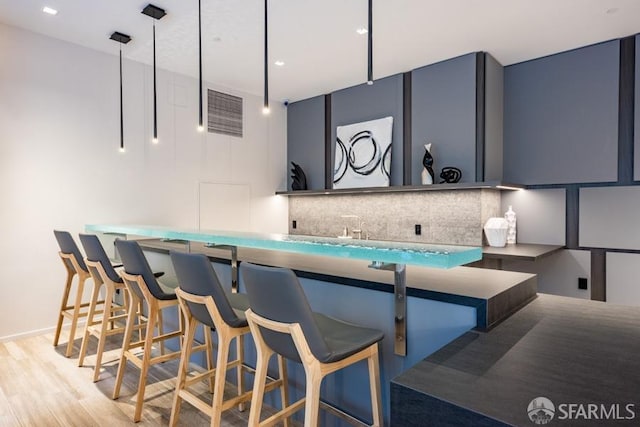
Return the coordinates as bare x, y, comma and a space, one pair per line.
317, 39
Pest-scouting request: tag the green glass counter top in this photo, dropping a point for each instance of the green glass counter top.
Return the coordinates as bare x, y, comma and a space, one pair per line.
427, 255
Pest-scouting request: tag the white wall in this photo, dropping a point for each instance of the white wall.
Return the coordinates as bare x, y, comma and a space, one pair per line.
623, 271
60, 166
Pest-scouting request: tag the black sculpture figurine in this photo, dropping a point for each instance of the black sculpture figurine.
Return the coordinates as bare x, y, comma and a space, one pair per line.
427, 162
450, 175
298, 179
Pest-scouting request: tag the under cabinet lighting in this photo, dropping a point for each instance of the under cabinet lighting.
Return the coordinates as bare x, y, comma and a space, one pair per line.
49, 10
506, 187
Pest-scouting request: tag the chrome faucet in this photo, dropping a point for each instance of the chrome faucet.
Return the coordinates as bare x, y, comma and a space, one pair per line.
356, 232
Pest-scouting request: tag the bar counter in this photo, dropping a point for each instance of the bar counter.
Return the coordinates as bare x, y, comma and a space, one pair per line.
441, 305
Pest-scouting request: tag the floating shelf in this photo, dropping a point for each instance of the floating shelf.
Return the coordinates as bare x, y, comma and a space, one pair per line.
494, 185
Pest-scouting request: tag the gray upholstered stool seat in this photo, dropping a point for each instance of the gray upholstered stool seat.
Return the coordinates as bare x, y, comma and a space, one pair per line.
282, 322
203, 300
344, 339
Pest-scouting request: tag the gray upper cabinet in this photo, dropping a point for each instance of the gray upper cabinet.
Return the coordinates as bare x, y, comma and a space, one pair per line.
443, 98
369, 102
636, 111
494, 119
561, 117
305, 140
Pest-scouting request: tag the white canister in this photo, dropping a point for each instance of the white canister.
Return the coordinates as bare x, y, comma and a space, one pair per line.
496, 231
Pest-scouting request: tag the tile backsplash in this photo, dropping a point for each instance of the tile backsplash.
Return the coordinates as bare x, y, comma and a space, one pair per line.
454, 217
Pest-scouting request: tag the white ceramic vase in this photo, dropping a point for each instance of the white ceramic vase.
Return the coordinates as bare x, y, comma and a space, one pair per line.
510, 216
496, 231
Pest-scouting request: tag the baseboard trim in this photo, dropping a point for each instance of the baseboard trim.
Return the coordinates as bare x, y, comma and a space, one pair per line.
36, 332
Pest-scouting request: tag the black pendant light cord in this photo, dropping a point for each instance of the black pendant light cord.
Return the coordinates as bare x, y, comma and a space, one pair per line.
121, 109
370, 45
155, 100
200, 118
266, 60
122, 39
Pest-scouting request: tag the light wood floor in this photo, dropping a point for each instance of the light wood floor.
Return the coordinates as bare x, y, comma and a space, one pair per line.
40, 387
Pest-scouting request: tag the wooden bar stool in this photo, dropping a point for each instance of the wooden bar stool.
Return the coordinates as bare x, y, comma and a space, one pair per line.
104, 274
74, 264
143, 286
282, 322
204, 301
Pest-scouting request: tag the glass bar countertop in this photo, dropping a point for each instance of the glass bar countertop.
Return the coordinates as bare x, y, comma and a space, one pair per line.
427, 255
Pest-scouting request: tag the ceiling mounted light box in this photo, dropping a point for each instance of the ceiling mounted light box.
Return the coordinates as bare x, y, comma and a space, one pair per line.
122, 39
156, 13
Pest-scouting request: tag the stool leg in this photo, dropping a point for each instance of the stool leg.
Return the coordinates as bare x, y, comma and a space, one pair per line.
76, 314
224, 341
183, 369
106, 318
155, 317
259, 382
161, 329
208, 341
63, 305
284, 388
90, 315
240, 369
374, 383
312, 402
126, 342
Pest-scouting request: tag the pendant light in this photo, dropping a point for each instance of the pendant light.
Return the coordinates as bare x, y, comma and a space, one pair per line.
122, 39
265, 108
200, 118
156, 13
370, 45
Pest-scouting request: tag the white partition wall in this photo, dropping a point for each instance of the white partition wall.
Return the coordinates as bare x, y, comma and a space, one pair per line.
60, 166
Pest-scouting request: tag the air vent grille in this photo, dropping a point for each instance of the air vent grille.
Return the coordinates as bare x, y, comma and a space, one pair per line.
224, 113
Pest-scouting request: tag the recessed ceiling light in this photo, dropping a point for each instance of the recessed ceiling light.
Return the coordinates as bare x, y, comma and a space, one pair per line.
612, 10
362, 31
49, 10
279, 63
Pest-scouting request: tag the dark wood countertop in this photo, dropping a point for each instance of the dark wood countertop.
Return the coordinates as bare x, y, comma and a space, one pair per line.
520, 251
567, 350
495, 294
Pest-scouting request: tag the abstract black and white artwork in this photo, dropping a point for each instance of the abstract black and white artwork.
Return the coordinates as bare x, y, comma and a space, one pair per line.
363, 154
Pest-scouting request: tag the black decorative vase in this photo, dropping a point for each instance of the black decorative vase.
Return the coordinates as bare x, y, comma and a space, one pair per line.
298, 179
